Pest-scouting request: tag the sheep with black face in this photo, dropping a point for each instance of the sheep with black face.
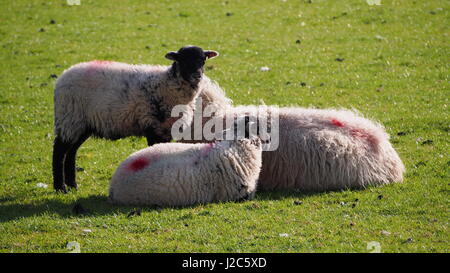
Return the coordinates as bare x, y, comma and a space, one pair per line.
114, 100
322, 149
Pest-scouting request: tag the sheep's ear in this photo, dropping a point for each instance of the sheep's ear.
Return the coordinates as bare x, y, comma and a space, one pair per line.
256, 141
211, 54
242, 141
172, 55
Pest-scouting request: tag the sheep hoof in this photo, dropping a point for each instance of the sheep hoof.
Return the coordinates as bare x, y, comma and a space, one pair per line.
72, 186
61, 190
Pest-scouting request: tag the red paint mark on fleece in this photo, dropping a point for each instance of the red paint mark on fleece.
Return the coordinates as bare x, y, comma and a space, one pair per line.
100, 63
138, 164
358, 133
369, 138
365, 135
337, 123
95, 65
205, 151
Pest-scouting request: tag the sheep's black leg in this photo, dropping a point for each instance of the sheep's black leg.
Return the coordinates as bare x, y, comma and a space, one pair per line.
153, 138
60, 149
69, 162
150, 141
248, 196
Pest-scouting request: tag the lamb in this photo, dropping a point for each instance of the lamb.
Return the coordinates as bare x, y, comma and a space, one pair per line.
180, 174
114, 100
323, 150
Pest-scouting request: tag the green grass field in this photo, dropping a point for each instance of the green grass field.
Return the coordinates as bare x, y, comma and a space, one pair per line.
394, 68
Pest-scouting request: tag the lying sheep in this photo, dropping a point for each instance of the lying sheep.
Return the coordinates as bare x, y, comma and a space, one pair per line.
114, 100
321, 150
179, 174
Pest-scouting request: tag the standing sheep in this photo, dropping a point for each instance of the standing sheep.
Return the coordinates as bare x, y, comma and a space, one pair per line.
321, 150
114, 100
180, 174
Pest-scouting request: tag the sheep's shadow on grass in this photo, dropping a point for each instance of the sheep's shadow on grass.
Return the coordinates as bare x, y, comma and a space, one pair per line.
91, 206
284, 194
94, 205
98, 205
298, 194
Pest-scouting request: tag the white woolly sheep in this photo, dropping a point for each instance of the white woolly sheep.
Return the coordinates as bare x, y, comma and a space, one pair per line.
321, 150
114, 100
180, 174
211, 97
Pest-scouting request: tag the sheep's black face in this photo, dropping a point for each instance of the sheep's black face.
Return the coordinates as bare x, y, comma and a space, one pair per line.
190, 61
250, 127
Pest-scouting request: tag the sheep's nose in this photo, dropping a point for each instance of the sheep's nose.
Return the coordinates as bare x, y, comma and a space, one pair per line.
267, 139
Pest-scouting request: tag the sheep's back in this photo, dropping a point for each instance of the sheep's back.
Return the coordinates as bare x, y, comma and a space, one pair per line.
329, 150
105, 96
